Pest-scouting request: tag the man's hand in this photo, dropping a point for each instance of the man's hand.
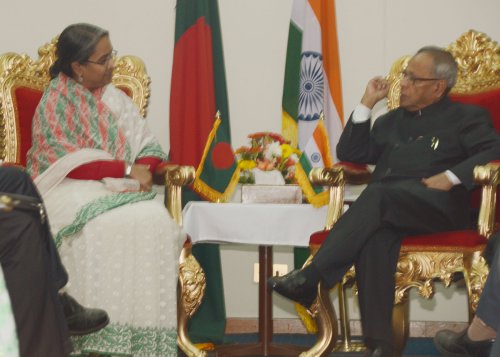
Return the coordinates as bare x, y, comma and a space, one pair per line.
376, 89
438, 182
142, 174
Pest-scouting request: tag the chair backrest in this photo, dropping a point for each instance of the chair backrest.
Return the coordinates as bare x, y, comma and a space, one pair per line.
478, 82
22, 82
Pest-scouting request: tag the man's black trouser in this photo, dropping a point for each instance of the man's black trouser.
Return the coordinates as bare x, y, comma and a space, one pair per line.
369, 236
33, 273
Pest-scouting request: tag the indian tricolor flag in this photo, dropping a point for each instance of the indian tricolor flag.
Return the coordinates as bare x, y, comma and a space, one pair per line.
312, 94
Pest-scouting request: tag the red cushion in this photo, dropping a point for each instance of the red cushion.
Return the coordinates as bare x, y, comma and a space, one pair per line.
25, 103
453, 241
489, 100
355, 173
317, 238
126, 90
188, 242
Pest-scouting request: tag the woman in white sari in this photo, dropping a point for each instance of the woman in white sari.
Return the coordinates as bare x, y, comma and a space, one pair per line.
93, 159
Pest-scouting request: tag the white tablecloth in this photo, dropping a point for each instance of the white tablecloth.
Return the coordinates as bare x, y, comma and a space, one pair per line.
258, 224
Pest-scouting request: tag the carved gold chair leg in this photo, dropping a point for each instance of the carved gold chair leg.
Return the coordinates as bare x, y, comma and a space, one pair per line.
467, 263
475, 274
192, 288
401, 325
326, 321
192, 282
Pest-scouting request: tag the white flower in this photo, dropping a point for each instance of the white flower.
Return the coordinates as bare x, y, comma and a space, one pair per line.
272, 150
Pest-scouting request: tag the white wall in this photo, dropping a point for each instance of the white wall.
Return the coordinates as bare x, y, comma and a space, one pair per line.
372, 33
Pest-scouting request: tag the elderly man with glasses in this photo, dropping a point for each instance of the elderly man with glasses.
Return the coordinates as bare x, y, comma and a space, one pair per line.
424, 152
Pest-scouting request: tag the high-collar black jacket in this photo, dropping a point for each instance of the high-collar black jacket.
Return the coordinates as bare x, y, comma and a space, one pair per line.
443, 136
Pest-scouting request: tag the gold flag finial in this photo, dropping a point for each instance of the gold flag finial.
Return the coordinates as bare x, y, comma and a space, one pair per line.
217, 115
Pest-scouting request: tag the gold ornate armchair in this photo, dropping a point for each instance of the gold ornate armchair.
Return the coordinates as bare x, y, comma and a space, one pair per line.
22, 82
440, 256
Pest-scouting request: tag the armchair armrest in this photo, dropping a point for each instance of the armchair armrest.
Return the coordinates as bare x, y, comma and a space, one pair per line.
335, 179
489, 177
355, 174
175, 177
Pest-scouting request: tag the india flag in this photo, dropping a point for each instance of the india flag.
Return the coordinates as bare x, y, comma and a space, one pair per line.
312, 94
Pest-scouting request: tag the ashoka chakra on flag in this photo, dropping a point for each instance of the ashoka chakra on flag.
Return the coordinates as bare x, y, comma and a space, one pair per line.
311, 86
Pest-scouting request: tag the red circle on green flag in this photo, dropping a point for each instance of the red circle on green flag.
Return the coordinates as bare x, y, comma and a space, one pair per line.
222, 156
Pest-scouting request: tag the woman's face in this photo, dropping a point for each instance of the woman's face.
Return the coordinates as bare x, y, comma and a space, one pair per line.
97, 71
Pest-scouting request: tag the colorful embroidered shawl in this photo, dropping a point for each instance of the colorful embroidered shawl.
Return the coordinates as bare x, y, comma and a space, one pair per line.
69, 118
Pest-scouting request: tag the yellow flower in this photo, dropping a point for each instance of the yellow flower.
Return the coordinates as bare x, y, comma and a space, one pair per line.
246, 164
286, 150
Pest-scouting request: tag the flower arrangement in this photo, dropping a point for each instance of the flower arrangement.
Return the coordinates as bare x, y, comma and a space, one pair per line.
267, 151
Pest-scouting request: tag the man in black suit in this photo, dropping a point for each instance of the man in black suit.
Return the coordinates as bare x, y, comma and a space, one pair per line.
34, 275
424, 153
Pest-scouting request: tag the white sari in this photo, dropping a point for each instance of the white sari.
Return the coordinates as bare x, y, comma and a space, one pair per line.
120, 249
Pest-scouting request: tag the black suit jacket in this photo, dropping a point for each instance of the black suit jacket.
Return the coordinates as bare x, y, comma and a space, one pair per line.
443, 136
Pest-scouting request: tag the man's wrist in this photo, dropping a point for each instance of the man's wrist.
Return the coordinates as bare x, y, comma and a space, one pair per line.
361, 114
452, 178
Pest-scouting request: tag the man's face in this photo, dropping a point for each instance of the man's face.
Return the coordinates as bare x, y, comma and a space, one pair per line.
419, 87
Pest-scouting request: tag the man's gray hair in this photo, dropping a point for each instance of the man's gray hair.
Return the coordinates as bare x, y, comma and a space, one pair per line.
445, 66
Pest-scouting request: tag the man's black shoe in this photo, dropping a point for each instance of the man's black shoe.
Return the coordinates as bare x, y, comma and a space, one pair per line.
454, 344
81, 320
294, 287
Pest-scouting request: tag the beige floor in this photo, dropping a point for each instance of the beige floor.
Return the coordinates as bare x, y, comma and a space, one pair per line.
417, 328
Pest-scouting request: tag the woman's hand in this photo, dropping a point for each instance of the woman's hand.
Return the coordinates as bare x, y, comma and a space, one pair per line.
142, 174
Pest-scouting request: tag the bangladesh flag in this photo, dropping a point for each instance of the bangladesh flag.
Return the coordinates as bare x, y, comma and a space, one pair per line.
217, 162
198, 92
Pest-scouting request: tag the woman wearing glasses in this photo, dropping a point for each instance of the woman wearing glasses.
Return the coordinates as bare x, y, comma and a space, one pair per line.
93, 159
